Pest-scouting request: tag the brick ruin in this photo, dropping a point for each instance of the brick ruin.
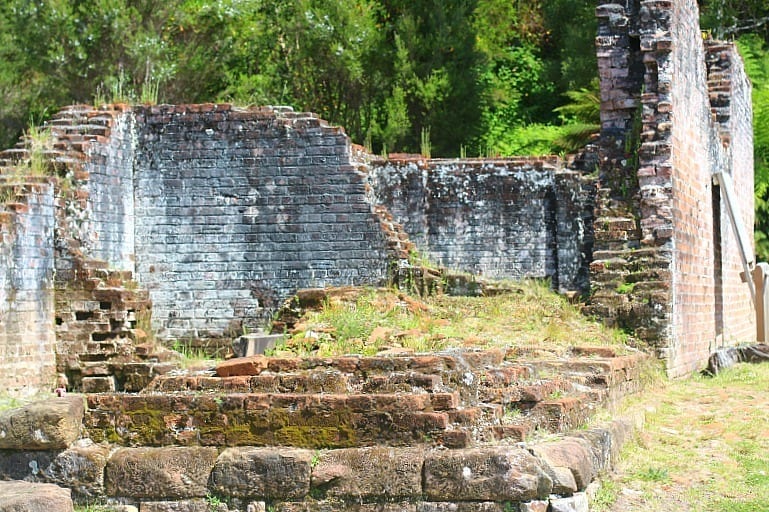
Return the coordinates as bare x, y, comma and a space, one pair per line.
194, 222
675, 110
215, 214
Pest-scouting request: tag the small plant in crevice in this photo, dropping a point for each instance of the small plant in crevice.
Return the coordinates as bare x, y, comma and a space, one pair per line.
38, 141
425, 145
214, 502
512, 415
191, 356
555, 395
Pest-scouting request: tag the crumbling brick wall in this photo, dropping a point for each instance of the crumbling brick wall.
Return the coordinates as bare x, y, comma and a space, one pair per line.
237, 209
224, 212
517, 218
730, 100
666, 263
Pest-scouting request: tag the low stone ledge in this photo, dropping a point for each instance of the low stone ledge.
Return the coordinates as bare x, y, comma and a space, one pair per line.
17, 496
461, 507
266, 473
377, 472
340, 506
159, 473
487, 479
485, 474
80, 468
51, 424
194, 505
572, 454
421, 506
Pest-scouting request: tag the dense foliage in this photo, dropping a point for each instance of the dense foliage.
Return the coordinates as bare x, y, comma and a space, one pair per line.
456, 75
445, 77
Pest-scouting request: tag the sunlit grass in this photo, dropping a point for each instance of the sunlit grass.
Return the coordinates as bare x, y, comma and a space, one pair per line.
530, 317
705, 445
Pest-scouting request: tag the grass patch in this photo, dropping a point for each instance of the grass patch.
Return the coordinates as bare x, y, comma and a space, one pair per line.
191, 357
531, 317
705, 446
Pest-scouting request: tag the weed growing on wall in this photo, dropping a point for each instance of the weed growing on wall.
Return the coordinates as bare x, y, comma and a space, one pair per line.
38, 142
425, 146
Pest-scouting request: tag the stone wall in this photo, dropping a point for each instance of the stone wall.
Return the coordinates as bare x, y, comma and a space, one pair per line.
237, 209
470, 430
27, 339
518, 218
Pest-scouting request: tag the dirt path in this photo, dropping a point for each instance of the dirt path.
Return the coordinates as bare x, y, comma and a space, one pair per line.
705, 447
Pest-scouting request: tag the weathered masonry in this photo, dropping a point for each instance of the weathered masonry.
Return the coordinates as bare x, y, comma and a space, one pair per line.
675, 110
214, 214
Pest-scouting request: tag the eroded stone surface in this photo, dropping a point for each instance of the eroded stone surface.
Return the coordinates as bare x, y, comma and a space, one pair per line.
80, 468
485, 474
570, 453
534, 506
576, 503
196, 505
377, 472
274, 473
160, 473
460, 507
16, 496
339, 506
29, 466
45, 425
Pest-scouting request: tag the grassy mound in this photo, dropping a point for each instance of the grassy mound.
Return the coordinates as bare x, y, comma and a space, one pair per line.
528, 315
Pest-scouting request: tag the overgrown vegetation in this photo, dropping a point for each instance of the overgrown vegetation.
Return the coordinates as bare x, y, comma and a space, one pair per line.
440, 77
432, 76
531, 317
704, 447
756, 56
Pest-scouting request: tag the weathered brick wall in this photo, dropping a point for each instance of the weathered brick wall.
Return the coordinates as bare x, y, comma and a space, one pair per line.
730, 99
693, 137
667, 261
109, 165
27, 343
237, 209
503, 219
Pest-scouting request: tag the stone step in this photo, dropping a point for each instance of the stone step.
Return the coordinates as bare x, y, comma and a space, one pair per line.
305, 421
523, 392
434, 364
85, 129
320, 380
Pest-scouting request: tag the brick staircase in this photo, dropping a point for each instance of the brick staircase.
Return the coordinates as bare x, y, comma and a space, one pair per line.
102, 324
457, 399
